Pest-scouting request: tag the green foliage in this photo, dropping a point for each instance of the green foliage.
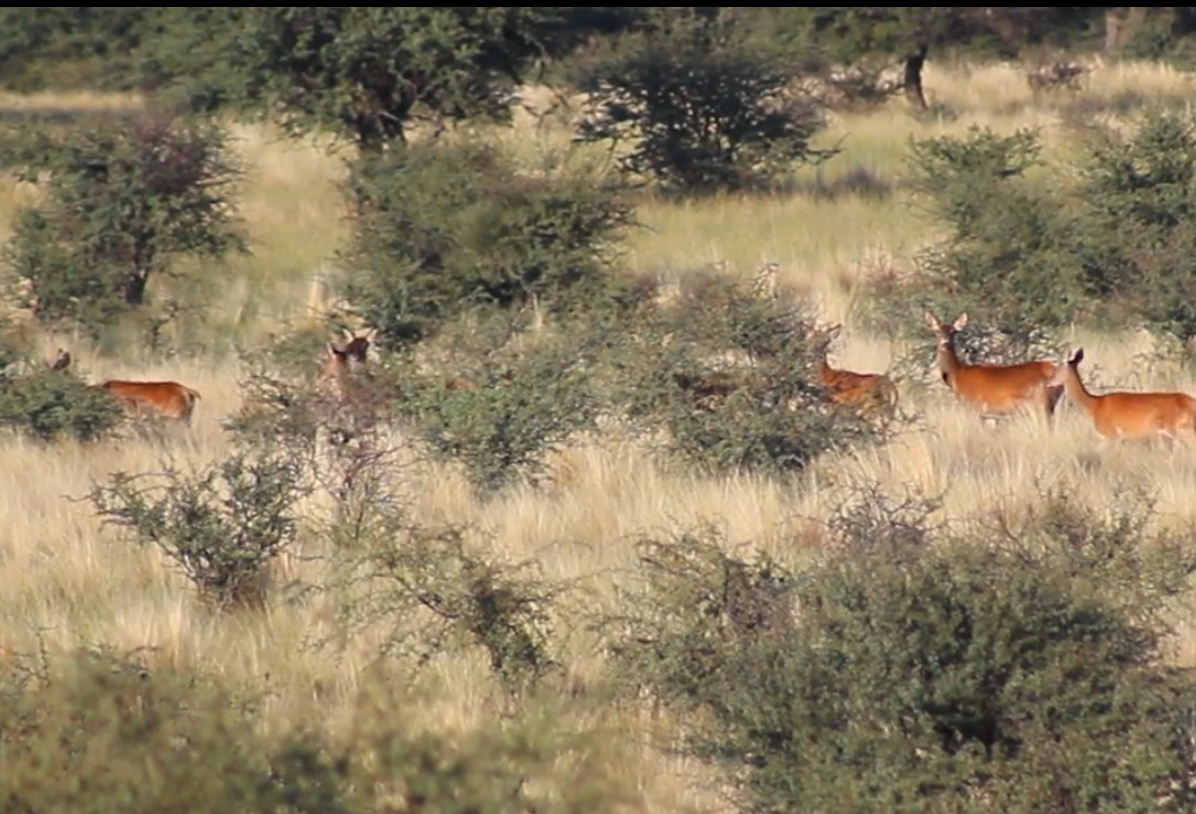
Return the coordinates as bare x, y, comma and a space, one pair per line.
437, 229
1113, 237
1015, 666
1008, 257
106, 733
1162, 33
122, 199
769, 416
501, 414
364, 72
855, 34
52, 404
1139, 219
701, 105
222, 526
63, 47
185, 58
435, 592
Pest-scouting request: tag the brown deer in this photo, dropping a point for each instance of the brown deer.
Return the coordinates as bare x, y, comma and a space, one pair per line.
993, 389
1126, 415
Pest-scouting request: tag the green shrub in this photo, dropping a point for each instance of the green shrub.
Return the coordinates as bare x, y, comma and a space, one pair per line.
1139, 218
1008, 257
123, 199
500, 414
672, 380
52, 404
439, 229
48, 404
701, 103
1014, 666
222, 526
434, 591
1112, 241
106, 733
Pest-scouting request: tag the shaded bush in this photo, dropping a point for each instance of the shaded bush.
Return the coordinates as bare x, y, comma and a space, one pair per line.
124, 198
1111, 239
435, 592
52, 404
1139, 216
500, 413
106, 733
1001, 667
221, 526
1008, 257
729, 381
701, 104
438, 229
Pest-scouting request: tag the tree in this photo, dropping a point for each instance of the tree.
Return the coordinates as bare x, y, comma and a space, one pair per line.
63, 46
122, 199
705, 106
366, 71
440, 228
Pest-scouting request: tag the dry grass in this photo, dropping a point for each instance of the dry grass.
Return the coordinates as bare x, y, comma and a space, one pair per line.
66, 580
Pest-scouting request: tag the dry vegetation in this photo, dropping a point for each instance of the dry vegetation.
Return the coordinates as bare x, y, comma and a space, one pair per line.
65, 581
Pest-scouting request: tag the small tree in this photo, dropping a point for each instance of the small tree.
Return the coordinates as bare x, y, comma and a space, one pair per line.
221, 526
1007, 257
122, 200
1139, 221
439, 228
704, 105
366, 71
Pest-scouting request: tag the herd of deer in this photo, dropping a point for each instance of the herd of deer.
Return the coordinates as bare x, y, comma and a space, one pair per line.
991, 390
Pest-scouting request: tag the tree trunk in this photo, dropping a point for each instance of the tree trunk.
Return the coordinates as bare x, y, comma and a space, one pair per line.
135, 285
912, 81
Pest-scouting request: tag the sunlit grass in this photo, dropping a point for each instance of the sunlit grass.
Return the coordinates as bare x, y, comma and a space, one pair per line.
66, 581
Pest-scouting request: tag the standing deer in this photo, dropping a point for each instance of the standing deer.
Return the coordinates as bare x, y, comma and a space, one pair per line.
1126, 415
346, 374
993, 390
169, 399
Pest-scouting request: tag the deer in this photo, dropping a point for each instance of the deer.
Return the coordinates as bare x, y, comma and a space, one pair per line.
351, 358
1127, 415
169, 399
346, 375
993, 390
708, 389
869, 392
61, 361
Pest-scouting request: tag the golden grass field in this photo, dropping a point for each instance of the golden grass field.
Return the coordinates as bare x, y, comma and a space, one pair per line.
67, 582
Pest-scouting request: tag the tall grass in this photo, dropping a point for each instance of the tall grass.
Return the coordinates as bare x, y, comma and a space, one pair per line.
65, 581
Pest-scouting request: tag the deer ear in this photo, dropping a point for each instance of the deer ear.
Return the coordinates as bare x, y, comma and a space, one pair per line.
1076, 357
931, 320
349, 335
370, 334
961, 321
332, 351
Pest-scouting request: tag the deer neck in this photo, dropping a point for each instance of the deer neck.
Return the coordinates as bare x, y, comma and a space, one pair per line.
949, 363
1078, 393
825, 371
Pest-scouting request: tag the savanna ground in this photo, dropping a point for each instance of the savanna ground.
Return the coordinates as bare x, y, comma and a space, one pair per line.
67, 582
